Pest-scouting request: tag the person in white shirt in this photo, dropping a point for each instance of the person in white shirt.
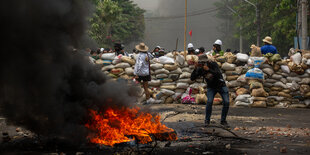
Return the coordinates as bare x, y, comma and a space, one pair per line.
142, 67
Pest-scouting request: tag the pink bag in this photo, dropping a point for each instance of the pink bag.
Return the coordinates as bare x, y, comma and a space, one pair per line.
188, 99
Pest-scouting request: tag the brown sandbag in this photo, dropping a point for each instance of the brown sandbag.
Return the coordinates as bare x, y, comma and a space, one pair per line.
276, 67
273, 93
260, 92
117, 71
307, 95
286, 91
169, 87
255, 85
169, 100
230, 58
232, 77
259, 104
230, 73
170, 67
255, 52
242, 91
259, 98
304, 89
128, 60
276, 88
284, 95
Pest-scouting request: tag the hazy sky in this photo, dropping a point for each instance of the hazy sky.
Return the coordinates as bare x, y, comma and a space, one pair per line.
164, 32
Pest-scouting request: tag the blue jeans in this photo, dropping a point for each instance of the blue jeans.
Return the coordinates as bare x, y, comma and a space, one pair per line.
211, 92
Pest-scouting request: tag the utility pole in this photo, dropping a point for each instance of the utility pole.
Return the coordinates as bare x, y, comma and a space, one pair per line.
185, 26
304, 24
257, 21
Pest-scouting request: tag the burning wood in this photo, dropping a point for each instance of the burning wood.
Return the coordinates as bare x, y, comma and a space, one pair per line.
115, 126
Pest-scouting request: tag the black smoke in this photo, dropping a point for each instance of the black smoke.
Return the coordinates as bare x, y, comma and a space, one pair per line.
44, 85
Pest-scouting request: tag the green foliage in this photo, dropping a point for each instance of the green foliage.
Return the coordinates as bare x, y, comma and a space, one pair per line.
116, 20
278, 18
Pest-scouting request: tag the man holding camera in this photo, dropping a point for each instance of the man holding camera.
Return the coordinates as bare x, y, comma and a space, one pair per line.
211, 73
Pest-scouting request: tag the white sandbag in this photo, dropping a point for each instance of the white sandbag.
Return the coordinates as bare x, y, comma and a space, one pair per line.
296, 58
161, 71
106, 68
122, 65
167, 92
187, 80
240, 103
154, 83
277, 98
177, 71
285, 69
308, 71
305, 81
157, 66
170, 55
254, 73
242, 57
284, 80
291, 79
185, 75
186, 69
182, 85
271, 80
234, 83
197, 85
305, 75
293, 86
180, 60
243, 98
307, 102
268, 71
177, 96
280, 84
129, 71
228, 67
161, 76
166, 60
308, 62
276, 76
108, 56
167, 83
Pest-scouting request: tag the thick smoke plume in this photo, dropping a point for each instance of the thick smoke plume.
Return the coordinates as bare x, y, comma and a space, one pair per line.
44, 85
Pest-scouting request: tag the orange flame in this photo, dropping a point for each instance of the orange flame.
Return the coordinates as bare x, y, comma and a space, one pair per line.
114, 125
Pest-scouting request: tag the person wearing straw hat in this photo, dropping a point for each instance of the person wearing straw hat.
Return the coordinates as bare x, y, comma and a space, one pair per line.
142, 67
268, 47
211, 73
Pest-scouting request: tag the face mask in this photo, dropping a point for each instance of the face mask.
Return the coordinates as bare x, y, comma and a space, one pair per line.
156, 53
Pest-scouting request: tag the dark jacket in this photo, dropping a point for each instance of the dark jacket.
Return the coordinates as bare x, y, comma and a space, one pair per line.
216, 81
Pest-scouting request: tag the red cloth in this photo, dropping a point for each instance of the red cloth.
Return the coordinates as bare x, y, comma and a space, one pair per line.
191, 33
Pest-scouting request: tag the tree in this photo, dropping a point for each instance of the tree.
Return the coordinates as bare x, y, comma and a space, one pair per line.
116, 20
278, 20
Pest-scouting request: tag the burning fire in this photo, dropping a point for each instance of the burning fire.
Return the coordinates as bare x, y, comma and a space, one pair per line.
117, 125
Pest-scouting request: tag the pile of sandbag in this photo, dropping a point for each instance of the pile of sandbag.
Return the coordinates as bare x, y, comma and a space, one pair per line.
255, 81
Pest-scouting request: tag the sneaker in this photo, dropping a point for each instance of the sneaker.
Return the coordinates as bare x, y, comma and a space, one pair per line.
225, 124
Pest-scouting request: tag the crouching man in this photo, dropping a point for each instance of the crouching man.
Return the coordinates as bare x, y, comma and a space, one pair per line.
211, 74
